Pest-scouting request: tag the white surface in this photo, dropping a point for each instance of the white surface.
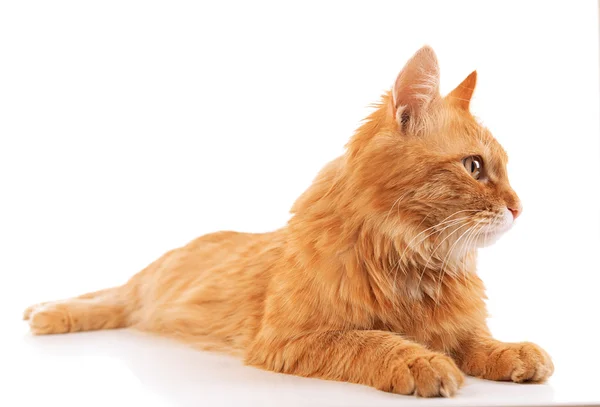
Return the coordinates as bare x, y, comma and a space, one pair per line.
128, 128
128, 368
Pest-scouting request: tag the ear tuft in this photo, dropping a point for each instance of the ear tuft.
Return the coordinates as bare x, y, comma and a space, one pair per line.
416, 86
461, 95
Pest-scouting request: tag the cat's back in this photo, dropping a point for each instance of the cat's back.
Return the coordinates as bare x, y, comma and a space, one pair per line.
228, 250
214, 259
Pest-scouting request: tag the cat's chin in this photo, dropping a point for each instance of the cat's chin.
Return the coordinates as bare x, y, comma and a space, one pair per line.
495, 229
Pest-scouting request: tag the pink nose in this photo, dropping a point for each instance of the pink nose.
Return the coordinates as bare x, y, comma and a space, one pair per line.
516, 211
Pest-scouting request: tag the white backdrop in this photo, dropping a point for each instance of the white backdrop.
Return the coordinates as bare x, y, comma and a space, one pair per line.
128, 128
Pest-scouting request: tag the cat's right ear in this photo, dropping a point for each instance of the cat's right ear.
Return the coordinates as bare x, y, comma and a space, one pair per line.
416, 87
462, 94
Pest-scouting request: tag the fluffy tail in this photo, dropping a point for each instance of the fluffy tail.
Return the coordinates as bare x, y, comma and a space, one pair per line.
106, 309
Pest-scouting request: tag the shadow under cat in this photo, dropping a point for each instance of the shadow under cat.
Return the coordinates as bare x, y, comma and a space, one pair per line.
183, 376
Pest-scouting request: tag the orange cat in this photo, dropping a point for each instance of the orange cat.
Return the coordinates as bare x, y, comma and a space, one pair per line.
373, 279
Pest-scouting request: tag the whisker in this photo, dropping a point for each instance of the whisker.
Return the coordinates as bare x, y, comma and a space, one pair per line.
442, 270
463, 252
432, 227
434, 250
448, 223
467, 245
394, 204
473, 231
444, 263
426, 230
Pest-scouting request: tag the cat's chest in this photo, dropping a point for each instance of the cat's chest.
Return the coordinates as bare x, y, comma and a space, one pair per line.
439, 321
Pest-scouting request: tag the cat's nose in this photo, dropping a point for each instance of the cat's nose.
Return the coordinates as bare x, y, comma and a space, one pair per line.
516, 211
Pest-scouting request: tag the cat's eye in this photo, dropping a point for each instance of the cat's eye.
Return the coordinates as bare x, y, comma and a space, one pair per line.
474, 166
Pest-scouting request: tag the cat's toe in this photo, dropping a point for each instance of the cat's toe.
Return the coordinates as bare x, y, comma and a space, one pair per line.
27, 313
29, 310
535, 364
435, 375
49, 320
520, 363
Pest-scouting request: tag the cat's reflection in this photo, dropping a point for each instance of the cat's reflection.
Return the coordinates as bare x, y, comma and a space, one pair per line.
182, 376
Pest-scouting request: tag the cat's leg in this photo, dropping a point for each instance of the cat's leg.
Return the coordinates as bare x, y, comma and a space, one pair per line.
383, 360
484, 357
29, 310
105, 309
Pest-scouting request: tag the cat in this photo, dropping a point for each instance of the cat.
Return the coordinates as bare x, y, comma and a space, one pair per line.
373, 279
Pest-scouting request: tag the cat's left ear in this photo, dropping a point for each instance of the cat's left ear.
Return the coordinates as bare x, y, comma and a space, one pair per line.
461, 95
416, 87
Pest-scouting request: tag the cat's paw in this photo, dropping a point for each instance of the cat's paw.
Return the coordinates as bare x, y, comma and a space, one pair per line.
47, 319
29, 310
519, 362
427, 375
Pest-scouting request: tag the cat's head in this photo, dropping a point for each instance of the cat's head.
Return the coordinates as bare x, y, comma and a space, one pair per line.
422, 161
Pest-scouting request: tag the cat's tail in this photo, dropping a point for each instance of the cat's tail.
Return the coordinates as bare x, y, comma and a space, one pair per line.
105, 309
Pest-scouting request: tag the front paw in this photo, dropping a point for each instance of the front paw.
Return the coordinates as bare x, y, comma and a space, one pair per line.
517, 362
427, 375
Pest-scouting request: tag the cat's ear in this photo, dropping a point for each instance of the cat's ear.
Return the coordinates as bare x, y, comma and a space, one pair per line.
416, 86
461, 95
